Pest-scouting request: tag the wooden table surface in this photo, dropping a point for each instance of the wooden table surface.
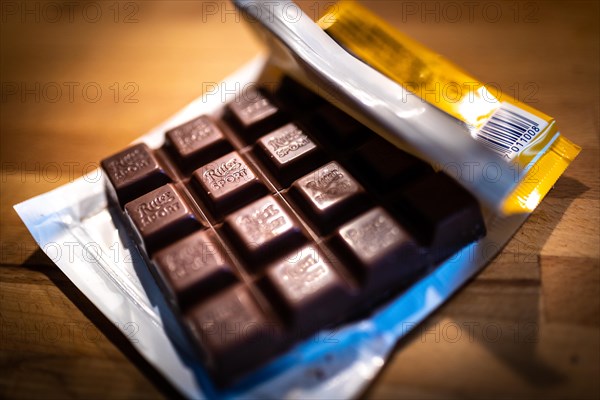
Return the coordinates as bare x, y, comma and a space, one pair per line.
527, 326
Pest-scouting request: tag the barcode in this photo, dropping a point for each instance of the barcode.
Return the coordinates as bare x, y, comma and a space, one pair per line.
509, 129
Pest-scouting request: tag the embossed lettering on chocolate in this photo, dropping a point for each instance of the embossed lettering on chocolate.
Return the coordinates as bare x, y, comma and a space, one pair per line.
227, 183
265, 222
160, 216
195, 142
132, 172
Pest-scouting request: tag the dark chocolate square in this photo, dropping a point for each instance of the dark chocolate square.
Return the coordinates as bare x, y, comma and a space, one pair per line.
263, 229
329, 195
194, 266
310, 291
382, 166
386, 253
228, 183
337, 130
196, 142
134, 172
253, 113
234, 331
288, 152
441, 214
161, 217
297, 98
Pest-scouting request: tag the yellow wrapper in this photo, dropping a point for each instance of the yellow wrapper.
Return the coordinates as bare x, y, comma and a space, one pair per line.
526, 138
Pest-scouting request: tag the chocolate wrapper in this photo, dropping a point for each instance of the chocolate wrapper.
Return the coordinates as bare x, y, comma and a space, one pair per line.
337, 363
109, 271
504, 152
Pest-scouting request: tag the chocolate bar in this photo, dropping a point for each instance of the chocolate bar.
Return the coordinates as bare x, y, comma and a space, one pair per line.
279, 215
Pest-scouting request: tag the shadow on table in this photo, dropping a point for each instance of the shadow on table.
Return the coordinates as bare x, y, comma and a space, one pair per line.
523, 360
519, 353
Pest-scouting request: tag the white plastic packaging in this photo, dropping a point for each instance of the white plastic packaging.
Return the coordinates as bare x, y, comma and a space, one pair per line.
110, 272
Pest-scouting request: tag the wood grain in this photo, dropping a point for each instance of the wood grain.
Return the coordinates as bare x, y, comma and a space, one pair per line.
527, 326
